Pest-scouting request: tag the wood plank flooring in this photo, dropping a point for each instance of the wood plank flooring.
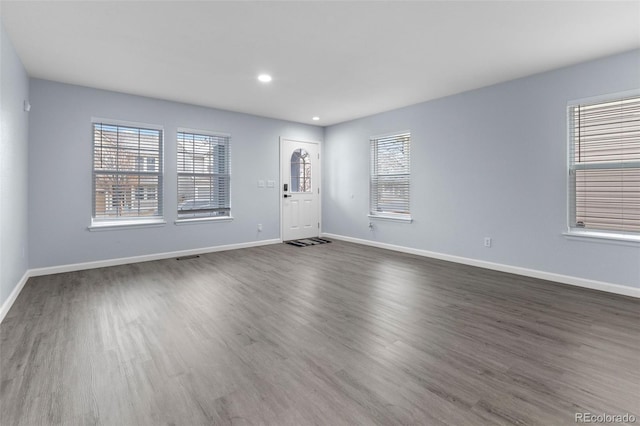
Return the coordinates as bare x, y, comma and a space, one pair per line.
334, 334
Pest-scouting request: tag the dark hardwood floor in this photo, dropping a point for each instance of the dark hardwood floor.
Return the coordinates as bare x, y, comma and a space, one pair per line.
333, 334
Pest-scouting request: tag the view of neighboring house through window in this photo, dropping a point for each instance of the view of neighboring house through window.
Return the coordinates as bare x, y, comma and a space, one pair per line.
390, 176
126, 163
300, 171
203, 175
604, 165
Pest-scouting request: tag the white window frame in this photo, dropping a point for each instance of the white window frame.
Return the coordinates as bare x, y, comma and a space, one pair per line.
574, 231
200, 219
101, 224
374, 213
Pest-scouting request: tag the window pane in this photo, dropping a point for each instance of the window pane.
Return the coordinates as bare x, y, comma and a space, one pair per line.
300, 171
123, 196
124, 168
203, 175
390, 175
608, 199
605, 165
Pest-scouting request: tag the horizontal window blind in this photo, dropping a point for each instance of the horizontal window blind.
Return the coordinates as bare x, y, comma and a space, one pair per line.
390, 175
127, 173
605, 165
204, 177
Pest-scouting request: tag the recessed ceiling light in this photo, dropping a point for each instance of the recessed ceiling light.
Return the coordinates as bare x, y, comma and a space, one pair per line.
316, 118
265, 78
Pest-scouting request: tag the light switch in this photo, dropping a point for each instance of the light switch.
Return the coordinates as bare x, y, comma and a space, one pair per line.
261, 183
271, 184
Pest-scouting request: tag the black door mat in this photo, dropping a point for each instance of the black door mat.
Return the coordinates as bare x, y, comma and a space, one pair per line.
307, 242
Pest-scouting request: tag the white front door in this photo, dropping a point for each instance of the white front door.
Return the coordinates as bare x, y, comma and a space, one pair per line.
300, 189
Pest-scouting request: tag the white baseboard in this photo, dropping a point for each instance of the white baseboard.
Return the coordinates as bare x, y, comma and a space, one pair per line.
550, 276
13, 296
144, 258
120, 261
564, 279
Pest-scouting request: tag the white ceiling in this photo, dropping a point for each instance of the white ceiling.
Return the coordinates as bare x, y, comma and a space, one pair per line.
334, 59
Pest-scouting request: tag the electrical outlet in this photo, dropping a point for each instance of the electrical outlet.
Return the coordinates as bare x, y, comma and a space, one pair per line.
259, 227
487, 241
370, 226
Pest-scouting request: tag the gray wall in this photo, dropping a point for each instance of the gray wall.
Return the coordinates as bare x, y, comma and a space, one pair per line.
60, 175
490, 162
14, 90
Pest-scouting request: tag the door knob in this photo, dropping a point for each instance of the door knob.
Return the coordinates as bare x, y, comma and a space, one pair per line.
287, 195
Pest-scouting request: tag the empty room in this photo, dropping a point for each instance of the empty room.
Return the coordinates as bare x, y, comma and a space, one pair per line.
319, 212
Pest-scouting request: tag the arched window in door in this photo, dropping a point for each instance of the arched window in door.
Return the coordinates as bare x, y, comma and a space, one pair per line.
300, 171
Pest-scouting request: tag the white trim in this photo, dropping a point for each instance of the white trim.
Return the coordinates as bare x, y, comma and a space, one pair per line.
120, 261
550, 276
202, 132
197, 132
571, 166
603, 237
124, 123
145, 258
196, 220
389, 134
112, 224
564, 279
399, 218
125, 224
604, 97
4, 310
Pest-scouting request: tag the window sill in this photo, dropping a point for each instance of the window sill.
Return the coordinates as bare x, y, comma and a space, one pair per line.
197, 220
604, 237
404, 219
126, 224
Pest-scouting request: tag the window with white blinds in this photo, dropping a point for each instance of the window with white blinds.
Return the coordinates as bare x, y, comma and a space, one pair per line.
604, 163
390, 176
127, 173
203, 175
